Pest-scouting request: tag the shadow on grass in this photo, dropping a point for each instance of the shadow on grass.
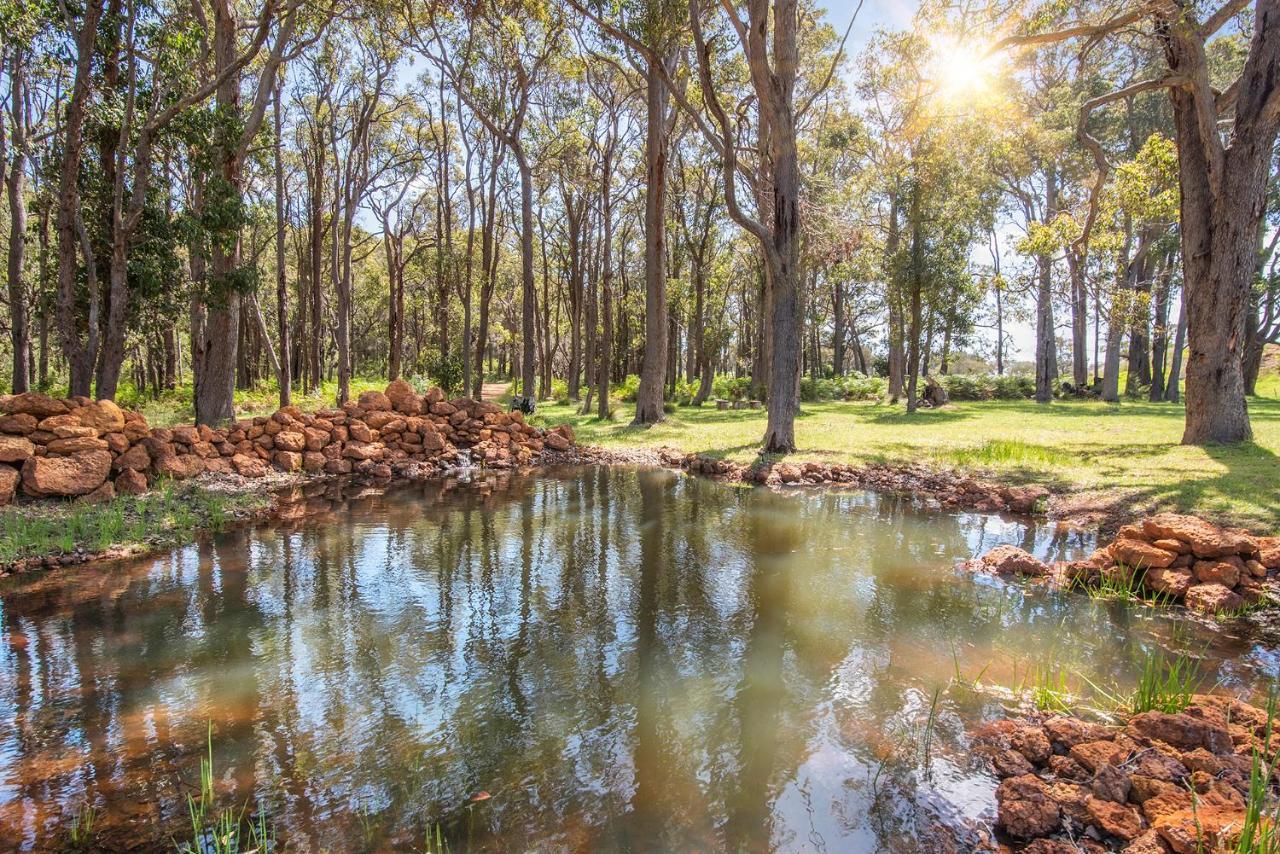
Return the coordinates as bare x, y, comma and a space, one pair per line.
1250, 477
920, 416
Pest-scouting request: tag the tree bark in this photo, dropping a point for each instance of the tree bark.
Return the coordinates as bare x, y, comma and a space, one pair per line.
15, 185
653, 369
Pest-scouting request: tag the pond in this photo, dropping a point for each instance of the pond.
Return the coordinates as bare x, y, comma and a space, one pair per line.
583, 659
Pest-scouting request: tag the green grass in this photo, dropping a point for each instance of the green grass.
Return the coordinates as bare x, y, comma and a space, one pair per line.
1113, 457
1165, 684
171, 513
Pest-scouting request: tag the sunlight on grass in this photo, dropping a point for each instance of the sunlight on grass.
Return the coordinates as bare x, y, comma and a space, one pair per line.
1008, 453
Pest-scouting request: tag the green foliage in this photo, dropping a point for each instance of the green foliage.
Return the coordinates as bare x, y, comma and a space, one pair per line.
628, 389
446, 372
560, 391
1165, 685
726, 387
1260, 831
989, 387
855, 386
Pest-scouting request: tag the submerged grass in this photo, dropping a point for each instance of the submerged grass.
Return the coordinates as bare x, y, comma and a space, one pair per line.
1165, 684
223, 831
171, 513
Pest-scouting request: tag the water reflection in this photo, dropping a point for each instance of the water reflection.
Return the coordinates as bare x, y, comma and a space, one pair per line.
624, 660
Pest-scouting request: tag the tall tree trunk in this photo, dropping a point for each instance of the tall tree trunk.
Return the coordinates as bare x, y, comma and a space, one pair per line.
1222, 201
15, 185
284, 374
1171, 391
528, 333
1046, 347
897, 335
653, 369
80, 355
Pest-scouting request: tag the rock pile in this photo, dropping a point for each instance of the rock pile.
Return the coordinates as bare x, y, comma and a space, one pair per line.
82, 447
1161, 783
947, 488
1172, 557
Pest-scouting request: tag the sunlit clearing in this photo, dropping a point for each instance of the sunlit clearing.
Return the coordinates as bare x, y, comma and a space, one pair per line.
961, 70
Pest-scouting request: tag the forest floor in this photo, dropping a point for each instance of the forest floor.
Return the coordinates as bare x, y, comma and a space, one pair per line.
1101, 458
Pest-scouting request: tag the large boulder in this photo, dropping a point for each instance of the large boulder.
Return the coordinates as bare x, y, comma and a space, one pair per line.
1011, 560
76, 474
1024, 808
21, 424
1224, 572
1212, 598
15, 449
404, 398
1181, 730
1206, 539
103, 415
32, 403
1137, 553
131, 482
1169, 582
373, 401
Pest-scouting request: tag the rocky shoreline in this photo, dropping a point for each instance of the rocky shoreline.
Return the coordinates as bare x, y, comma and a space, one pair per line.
1157, 783
1168, 558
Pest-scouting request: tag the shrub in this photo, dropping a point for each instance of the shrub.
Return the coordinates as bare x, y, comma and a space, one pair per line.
858, 386
446, 372
685, 392
729, 387
989, 387
627, 390
560, 391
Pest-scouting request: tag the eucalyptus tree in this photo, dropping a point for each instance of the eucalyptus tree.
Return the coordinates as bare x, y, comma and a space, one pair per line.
495, 54
1222, 175
216, 309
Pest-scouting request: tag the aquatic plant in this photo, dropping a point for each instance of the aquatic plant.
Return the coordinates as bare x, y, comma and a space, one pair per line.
81, 831
1047, 688
217, 831
1165, 684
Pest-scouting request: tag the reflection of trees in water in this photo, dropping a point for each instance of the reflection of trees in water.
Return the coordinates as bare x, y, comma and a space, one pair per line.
624, 659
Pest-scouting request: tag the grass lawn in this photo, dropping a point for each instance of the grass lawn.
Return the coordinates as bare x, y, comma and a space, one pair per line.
1125, 456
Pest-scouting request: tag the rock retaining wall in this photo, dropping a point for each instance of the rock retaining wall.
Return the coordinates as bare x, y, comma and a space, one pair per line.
81, 447
1160, 783
1173, 557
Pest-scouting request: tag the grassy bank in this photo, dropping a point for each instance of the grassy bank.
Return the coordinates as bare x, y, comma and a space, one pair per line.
1125, 456
168, 515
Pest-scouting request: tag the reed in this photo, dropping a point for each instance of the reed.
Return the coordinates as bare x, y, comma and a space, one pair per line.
1165, 684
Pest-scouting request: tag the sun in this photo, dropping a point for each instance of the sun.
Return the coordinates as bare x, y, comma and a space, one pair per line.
961, 70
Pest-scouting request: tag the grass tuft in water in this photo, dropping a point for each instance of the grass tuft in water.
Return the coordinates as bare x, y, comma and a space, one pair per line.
1047, 689
1165, 684
215, 831
1125, 585
81, 832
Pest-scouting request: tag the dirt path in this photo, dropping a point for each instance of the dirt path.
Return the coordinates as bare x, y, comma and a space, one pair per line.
492, 391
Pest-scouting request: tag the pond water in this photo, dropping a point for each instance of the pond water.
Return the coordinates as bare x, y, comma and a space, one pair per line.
620, 659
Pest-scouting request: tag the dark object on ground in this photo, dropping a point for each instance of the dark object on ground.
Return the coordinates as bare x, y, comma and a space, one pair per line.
523, 403
934, 393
